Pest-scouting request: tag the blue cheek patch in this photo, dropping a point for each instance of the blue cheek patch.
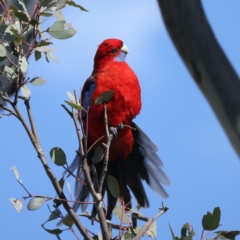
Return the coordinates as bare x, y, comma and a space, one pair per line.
121, 57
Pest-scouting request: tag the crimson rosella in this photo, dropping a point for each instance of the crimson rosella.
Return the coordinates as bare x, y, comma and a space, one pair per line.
132, 155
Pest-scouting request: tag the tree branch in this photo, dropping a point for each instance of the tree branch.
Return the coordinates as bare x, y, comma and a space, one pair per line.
106, 155
96, 197
147, 225
36, 143
194, 39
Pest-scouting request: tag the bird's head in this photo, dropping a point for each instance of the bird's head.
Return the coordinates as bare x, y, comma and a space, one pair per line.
111, 50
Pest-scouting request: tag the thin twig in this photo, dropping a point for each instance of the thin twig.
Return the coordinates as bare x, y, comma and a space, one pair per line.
106, 155
8, 110
96, 197
30, 117
147, 225
52, 177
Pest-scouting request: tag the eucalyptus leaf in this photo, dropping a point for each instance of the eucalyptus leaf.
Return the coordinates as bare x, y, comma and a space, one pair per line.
71, 97
16, 173
73, 105
98, 155
59, 15
51, 55
23, 64
113, 186
37, 55
104, 97
58, 156
61, 30
26, 91
21, 16
120, 214
172, 233
37, 81
35, 203
55, 231
211, 221
3, 51
16, 204
72, 3
68, 221
54, 215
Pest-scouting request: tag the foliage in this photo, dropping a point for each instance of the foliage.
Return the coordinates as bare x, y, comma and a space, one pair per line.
15, 49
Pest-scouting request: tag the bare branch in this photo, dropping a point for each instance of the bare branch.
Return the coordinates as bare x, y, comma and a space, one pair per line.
106, 155
8, 110
52, 177
149, 222
96, 197
194, 39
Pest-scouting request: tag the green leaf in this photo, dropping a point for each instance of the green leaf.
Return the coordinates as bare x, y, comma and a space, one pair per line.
68, 221
113, 186
98, 155
37, 81
60, 4
127, 236
211, 221
228, 234
51, 55
16, 173
35, 203
45, 14
186, 227
45, 3
3, 52
58, 156
57, 203
37, 55
16, 204
26, 91
73, 105
17, 34
72, 97
55, 231
61, 30
72, 3
21, 16
104, 97
23, 64
120, 214
152, 231
13, 8
59, 16
172, 233
42, 43
54, 215
34, 22
9, 72
9, 35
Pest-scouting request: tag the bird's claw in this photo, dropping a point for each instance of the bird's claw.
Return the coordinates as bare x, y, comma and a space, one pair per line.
114, 130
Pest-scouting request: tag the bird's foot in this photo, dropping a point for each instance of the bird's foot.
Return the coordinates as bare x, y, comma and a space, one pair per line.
114, 130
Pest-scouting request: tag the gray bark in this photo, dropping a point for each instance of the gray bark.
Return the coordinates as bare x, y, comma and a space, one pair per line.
194, 39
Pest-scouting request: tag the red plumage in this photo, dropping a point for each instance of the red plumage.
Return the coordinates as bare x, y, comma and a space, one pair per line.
132, 156
125, 104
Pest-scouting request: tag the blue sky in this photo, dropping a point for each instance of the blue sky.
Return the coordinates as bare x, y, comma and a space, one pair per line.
198, 158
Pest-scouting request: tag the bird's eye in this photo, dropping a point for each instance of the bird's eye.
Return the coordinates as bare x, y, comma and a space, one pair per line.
114, 50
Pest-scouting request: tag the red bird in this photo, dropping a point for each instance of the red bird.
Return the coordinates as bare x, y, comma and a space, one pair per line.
132, 155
